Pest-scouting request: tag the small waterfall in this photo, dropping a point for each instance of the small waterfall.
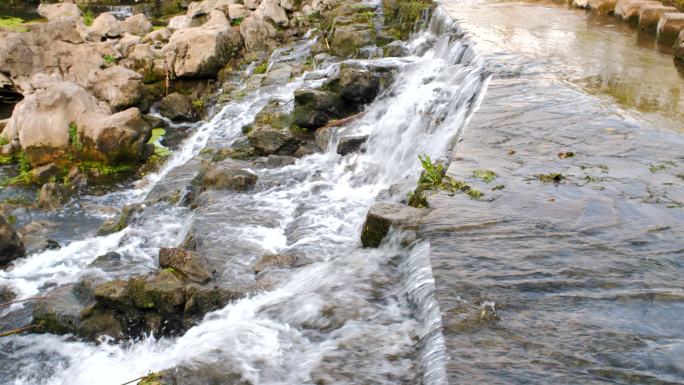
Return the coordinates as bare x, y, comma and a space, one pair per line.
348, 317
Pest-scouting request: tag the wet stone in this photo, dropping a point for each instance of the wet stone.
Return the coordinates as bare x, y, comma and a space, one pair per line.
11, 247
383, 216
349, 144
190, 264
229, 176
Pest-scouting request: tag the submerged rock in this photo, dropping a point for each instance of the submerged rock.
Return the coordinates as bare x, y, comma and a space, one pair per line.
215, 374
228, 175
177, 107
269, 261
349, 144
125, 218
11, 247
190, 264
53, 195
354, 84
383, 216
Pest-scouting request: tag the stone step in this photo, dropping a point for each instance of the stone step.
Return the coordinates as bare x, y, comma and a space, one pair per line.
628, 10
670, 26
602, 7
649, 15
679, 47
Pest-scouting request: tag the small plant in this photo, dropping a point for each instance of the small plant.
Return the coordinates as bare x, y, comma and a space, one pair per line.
88, 17
198, 104
108, 59
24, 164
566, 154
485, 175
261, 68
553, 177
236, 22
12, 219
74, 138
474, 194
13, 24
3, 140
434, 178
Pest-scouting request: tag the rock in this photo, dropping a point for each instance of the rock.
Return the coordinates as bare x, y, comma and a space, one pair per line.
196, 375
602, 7
201, 51
227, 175
270, 133
84, 288
188, 263
61, 314
43, 174
6, 294
313, 108
669, 27
107, 261
275, 161
383, 216
271, 9
61, 117
205, 299
348, 39
126, 43
163, 292
60, 10
251, 4
119, 86
278, 261
142, 59
105, 25
357, 85
125, 218
581, 3
396, 49
628, 10
11, 247
679, 47
349, 144
136, 25
257, 33
288, 5
53, 195
177, 107
99, 324
179, 22
649, 15
161, 35
236, 11
35, 235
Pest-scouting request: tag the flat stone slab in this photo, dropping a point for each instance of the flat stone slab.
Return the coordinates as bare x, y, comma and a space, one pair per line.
649, 16
628, 10
669, 27
602, 7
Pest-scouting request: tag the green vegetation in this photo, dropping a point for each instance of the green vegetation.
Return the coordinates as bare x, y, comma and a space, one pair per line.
236, 22
13, 24
261, 68
3, 140
498, 187
401, 18
485, 175
12, 219
22, 160
198, 104
661, 166
552, 177
602, 167
74, 137
108, 59
159, 150
105, 169
434, 178
88, 17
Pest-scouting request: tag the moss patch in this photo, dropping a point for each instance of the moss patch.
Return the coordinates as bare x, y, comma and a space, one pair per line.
485, 175
13, 24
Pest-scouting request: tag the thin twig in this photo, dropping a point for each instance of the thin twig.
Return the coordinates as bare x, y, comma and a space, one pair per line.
16, 331
132, 381
23, 300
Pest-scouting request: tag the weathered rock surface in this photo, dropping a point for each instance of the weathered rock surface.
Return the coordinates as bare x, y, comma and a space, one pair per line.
11, 247
121, 221
258, 34
272, 10
278, 261
628, 10
105, 25
228, 175
53, 195
177, 107
383, 216
60, 10
602, 7
356, 85
197, 375
119, 86
179, 22
190, 264
201, 51
62, 118
349, 144
669, 27
270, 133
649, 15
314, 108
136, 25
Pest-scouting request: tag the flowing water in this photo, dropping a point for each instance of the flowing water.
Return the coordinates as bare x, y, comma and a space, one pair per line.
352, 315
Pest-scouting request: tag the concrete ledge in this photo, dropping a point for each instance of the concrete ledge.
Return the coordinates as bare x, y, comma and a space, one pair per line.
669, 27
649, 16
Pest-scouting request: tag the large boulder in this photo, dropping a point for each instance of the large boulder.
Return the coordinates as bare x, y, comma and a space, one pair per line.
119, 86
272, 10
177, 107
354, 84
348, 39
105, 25
258, 34
384, 216
270, 133
201, 51
11, 247
136, 25
61, 118
59, 10
179, 22
314, 108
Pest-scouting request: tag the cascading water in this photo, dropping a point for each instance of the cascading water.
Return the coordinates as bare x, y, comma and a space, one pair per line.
352, 315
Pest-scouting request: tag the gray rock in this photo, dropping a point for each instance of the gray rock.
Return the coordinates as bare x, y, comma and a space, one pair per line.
190, 264
357, 85
383, 216
177, 107
313, 108
136, 25
11, 247
230, 176
349, 144
53, 195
